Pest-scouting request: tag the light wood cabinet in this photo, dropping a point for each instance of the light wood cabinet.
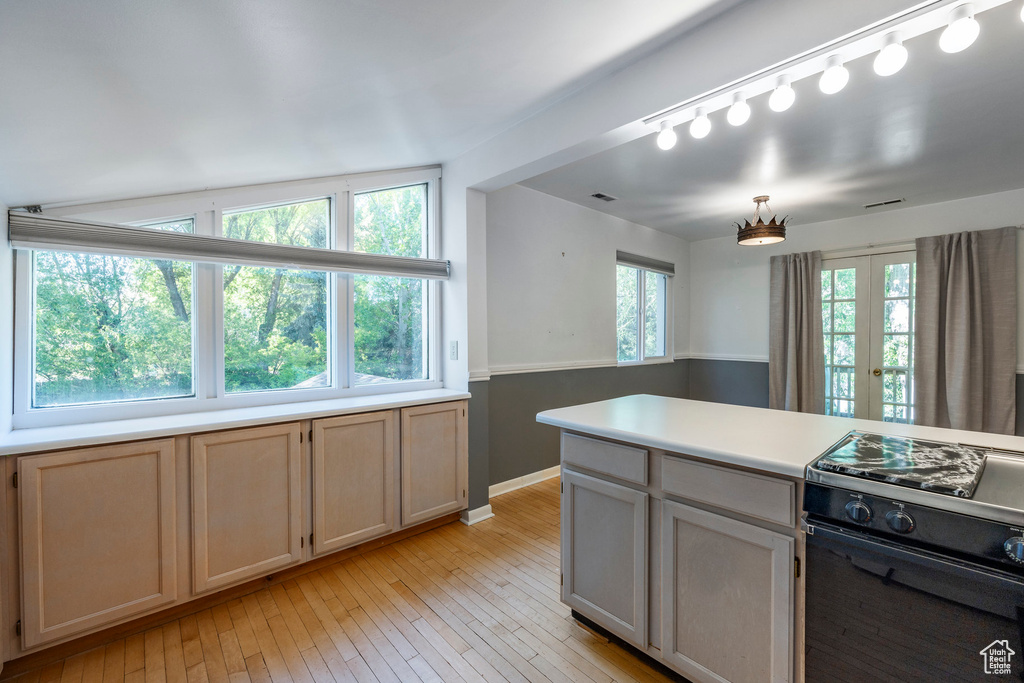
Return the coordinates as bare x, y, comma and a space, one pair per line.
97, 536
604, 554
353, 479
435, 461
247, 493
727, 597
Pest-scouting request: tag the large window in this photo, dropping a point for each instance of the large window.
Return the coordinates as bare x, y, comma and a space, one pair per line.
275, 319
124, 334
111, 328
641, 318
391, 312
868, 321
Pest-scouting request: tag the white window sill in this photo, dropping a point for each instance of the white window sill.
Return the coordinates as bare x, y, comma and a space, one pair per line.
660, 360
71, 436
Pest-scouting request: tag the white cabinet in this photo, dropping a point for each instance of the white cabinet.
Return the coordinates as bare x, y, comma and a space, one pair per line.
727, 598
435, 461
353, 479
247, 493
97, 536
604, 554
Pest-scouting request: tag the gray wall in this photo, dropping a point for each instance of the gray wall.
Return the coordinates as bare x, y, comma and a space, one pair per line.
506, 441
519, 445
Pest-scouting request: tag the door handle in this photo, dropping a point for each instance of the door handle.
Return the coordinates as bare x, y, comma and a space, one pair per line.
877, 372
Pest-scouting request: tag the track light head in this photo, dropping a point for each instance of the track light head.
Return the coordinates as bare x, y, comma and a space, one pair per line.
739, 112
667, 136
701, 125
962, 31
783, 96
835, 77
892, 57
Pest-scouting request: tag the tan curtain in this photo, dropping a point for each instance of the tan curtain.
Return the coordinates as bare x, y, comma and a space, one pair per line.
965, 348
796, 361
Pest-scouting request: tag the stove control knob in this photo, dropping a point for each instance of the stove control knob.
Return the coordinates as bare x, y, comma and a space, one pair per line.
900, 522
858, 511
1014, 548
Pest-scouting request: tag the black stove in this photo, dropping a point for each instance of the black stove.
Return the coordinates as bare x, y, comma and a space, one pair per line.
915, 562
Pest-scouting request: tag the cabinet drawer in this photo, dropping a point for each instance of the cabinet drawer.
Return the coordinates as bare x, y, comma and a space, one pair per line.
767, 498
622, 462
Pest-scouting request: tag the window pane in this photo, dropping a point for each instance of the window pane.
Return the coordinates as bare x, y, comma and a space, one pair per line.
826, 317
390, 329
826, 284
654, 314
304, 224
627, 316
897, 316
275, 329
846, 317
896, 351
897, 280
845, 349
110, 328
846, 283
275, 319
392, 221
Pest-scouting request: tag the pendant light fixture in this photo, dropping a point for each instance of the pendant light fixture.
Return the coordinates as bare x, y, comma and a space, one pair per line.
759, 232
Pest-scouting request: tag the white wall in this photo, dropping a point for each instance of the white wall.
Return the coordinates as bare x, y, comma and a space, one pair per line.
551, 280
729, 283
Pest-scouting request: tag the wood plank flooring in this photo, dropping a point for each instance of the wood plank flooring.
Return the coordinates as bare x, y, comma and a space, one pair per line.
455, 603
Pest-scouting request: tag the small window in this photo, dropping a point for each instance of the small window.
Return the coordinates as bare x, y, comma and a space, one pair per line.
111, 328
276, 319
391, 333
641, 314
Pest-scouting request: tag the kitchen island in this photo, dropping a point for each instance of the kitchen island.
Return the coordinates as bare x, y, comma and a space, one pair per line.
680, 526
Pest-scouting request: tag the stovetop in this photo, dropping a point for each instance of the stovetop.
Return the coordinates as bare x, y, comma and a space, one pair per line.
945, 468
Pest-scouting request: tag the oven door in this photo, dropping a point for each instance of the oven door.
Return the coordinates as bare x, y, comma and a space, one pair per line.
879, 611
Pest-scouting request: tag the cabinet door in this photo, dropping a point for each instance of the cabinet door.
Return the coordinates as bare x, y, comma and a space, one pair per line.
353, 479
604, 554
97, 537
727, 598
435, 451
246, 503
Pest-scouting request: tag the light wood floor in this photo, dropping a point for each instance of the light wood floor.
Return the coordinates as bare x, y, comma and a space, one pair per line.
455, 603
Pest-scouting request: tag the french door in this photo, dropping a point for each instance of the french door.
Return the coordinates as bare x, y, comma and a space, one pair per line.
868, 322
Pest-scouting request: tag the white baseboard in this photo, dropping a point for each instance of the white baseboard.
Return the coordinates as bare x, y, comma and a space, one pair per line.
520, 482
471, 517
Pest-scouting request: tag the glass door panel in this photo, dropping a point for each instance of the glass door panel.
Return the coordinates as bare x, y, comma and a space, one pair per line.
892, 338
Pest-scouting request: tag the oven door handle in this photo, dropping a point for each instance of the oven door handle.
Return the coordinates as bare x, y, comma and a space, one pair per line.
831, 535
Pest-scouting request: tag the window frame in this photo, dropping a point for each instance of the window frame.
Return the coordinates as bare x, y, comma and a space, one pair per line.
206, 209
644, 359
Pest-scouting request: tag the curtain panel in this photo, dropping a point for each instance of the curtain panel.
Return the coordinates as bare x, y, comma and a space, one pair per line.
965, 348
796, 361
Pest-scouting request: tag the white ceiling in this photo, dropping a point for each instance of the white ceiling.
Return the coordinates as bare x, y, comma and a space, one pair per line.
945, 127
120, 98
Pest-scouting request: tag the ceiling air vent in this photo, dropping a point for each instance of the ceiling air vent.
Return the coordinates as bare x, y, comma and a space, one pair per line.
603, 197
886, 203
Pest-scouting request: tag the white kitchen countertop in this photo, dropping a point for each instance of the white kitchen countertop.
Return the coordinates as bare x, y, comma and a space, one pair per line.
21, 441
773, 441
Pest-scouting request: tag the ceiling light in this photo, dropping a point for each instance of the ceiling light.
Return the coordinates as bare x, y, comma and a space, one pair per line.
835, 76
759, 232
701, 125
892, 57
962, 31
739, 112
667, 136
783, 96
